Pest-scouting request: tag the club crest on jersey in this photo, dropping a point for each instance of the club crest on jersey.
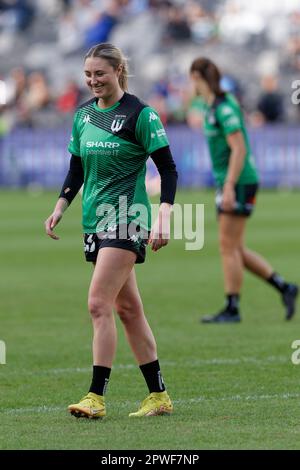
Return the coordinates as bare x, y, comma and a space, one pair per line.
117, 123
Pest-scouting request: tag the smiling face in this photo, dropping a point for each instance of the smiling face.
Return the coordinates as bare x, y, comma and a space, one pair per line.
102, 79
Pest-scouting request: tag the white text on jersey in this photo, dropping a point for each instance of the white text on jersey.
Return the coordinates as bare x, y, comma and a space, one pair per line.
109, 145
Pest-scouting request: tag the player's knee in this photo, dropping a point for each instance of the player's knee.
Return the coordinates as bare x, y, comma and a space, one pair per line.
99, 308
128, 311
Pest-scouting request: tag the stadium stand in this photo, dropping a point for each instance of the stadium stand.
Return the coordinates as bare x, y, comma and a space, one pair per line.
257, 46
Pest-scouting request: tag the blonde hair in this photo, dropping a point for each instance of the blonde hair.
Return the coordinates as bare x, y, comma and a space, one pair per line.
114, 57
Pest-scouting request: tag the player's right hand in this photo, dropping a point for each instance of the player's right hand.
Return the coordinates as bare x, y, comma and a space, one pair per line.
51, 222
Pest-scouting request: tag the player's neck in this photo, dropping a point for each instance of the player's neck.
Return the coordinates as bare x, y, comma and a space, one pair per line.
209, 97
109, 101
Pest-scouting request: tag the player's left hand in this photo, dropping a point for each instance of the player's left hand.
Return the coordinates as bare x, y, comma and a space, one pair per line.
51, 222
160, 233
228, 199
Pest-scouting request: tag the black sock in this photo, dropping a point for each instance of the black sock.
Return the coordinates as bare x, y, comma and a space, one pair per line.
100, 380
278, 282
153, 377
232, 304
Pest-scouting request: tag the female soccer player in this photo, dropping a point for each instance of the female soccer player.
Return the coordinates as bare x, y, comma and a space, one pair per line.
237, 183
113, 135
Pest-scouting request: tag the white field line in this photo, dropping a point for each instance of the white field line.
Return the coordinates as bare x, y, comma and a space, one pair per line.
179, 363
191, 363
190, 401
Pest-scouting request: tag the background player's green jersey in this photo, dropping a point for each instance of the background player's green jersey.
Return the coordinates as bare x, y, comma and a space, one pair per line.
114, 144
224, 117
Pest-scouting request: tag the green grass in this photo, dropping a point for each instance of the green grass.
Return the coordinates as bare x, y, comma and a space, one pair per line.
233, 386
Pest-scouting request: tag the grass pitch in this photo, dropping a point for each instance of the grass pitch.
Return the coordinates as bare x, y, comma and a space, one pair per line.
233, 386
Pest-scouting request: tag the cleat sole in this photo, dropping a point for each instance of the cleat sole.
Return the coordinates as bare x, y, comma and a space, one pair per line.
83, 414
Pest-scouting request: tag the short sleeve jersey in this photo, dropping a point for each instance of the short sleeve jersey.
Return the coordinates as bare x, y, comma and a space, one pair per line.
222, 118
114, 145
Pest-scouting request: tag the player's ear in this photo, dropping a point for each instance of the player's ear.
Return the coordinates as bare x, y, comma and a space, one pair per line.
119, 70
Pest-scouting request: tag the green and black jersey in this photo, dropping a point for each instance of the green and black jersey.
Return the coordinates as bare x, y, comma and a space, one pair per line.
222, 118
114, 144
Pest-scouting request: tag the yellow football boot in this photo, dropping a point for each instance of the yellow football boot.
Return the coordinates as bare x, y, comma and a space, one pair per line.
91, 406
157, 403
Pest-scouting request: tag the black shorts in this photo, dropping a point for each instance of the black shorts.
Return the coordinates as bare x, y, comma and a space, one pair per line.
117, 238
245, 195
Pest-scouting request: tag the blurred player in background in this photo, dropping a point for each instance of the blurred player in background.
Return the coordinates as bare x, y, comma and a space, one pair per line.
237, 183
113, 135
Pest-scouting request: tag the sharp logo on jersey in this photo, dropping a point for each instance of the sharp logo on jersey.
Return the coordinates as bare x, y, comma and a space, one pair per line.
106, 145
152, 116
86, 118
117, 123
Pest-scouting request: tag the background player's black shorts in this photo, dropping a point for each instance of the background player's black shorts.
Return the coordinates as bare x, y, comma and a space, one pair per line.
245, 195
117, 238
